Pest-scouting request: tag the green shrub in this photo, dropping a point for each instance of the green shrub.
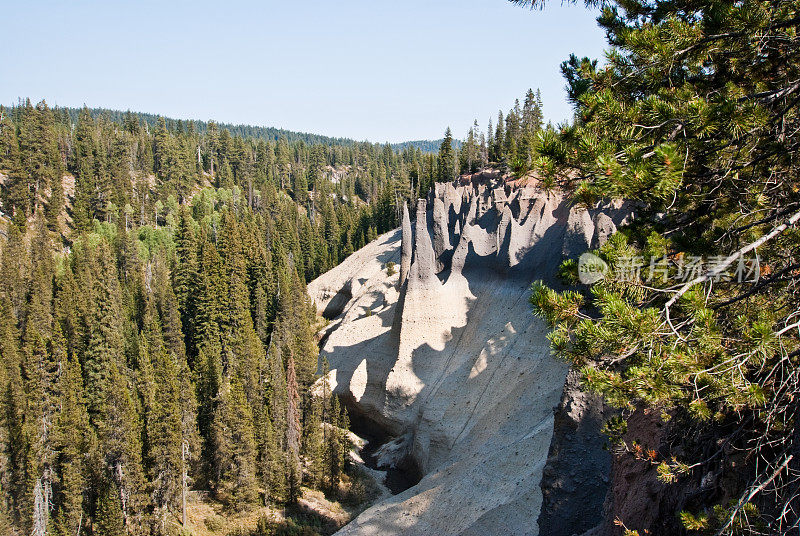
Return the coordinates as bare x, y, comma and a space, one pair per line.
214, 523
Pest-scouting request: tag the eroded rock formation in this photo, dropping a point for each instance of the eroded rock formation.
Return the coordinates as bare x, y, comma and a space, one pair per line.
447, 358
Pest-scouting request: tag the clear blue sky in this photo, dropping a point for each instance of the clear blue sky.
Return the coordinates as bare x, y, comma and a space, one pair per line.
383, 71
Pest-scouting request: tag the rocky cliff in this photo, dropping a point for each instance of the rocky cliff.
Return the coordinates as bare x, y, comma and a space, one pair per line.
446, 358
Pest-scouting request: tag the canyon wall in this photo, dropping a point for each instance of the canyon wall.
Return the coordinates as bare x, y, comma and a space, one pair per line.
446, 357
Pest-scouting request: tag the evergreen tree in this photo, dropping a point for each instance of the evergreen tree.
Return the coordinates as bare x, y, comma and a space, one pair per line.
470, 158
293, 432
40, 368
497, 148
40, 162
275, 437
314, 442
105, 346
234, 449
72, 440
9, 146
335, 450
693, 119
108, 519
13, 461
447, 158
185, 276
162, 417
84, 170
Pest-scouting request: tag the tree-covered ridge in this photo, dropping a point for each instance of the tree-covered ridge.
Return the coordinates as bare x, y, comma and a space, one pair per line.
426, 146
695, 118
130, 171
243, 131
155, 332
144, 362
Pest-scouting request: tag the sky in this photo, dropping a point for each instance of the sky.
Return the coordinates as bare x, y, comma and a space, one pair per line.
368, 70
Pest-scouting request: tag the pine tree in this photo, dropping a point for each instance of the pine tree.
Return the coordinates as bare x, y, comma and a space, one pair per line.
85, 170
234, 449
497, 148
447, 158
469, 153
293, 432
283, 162
9, 146
185, 277
108, 519
15, 446
239, 337
105, 346
40, 162
162, 417
276, 437
41, 369
512, 137
210, 292
15, 273
336, 445
313, 441
38, 314
334, 449
683, 120
169, 314
119, 433
71, 437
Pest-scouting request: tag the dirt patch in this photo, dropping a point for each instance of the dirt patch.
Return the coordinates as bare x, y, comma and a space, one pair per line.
207, 517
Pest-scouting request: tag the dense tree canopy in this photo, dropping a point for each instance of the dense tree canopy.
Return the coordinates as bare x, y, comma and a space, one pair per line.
155, 332
693, 117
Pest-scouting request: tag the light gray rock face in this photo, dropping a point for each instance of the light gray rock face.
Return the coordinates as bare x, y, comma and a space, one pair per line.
423, 266
604, 227
441, 234
590, 228
580, 230
405, 257
455, 366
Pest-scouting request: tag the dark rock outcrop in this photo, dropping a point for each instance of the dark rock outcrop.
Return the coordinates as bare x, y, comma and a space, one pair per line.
575, 479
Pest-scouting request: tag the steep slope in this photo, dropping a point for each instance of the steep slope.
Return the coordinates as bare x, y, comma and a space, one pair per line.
446, 357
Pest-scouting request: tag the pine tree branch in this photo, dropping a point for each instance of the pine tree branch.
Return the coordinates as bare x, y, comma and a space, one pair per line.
753, 493
762, 221
721, 267
773, 95
758, 286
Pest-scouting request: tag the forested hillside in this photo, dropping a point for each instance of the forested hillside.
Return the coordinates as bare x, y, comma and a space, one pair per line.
150, 350
246, 131
155, 331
